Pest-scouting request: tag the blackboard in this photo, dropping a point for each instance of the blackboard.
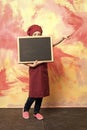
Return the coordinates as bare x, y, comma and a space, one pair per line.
34, 48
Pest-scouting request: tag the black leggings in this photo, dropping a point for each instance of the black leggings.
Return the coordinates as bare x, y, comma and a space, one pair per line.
30, 101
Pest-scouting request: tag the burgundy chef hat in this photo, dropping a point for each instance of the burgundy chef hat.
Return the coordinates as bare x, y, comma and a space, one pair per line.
33, 29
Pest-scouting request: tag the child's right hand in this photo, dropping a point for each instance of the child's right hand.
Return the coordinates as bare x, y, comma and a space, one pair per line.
35, 63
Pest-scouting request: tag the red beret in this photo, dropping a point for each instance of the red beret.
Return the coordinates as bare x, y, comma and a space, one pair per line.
33, 29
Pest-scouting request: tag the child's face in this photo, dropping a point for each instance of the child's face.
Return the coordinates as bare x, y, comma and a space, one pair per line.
37, 33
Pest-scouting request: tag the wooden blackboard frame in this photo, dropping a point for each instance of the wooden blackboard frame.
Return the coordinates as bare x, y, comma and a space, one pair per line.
34, 48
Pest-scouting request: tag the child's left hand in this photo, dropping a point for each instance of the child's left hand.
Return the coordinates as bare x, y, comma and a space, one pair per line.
66, 37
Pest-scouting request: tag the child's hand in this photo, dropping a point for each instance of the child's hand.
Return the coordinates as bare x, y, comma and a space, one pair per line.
35, 63
65, 37
32, 64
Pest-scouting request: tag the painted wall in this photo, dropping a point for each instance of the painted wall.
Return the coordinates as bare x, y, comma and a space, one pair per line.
68, 72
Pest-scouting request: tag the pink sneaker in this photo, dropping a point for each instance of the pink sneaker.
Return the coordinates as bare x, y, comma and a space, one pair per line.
38, 116
25, 114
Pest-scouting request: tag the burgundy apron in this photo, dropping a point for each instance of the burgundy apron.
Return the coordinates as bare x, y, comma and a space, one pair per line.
38, 81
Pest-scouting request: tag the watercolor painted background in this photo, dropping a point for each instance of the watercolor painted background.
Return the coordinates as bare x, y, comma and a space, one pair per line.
68, 72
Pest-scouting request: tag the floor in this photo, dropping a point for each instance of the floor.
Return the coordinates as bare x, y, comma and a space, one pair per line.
54, 119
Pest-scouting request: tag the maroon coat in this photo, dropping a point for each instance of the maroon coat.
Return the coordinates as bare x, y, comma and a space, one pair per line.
38, 82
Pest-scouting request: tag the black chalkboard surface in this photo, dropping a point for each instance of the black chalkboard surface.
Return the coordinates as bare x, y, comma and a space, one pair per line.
34, 48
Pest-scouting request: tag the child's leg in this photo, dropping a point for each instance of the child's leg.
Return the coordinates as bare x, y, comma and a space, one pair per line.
38, 102
28, 103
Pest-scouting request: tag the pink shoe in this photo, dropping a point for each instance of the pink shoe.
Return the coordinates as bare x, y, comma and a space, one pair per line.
38, 116
25, 114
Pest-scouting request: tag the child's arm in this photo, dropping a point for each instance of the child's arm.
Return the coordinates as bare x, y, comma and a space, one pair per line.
61, 40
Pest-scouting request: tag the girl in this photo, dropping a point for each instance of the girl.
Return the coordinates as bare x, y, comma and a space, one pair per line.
39, 83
